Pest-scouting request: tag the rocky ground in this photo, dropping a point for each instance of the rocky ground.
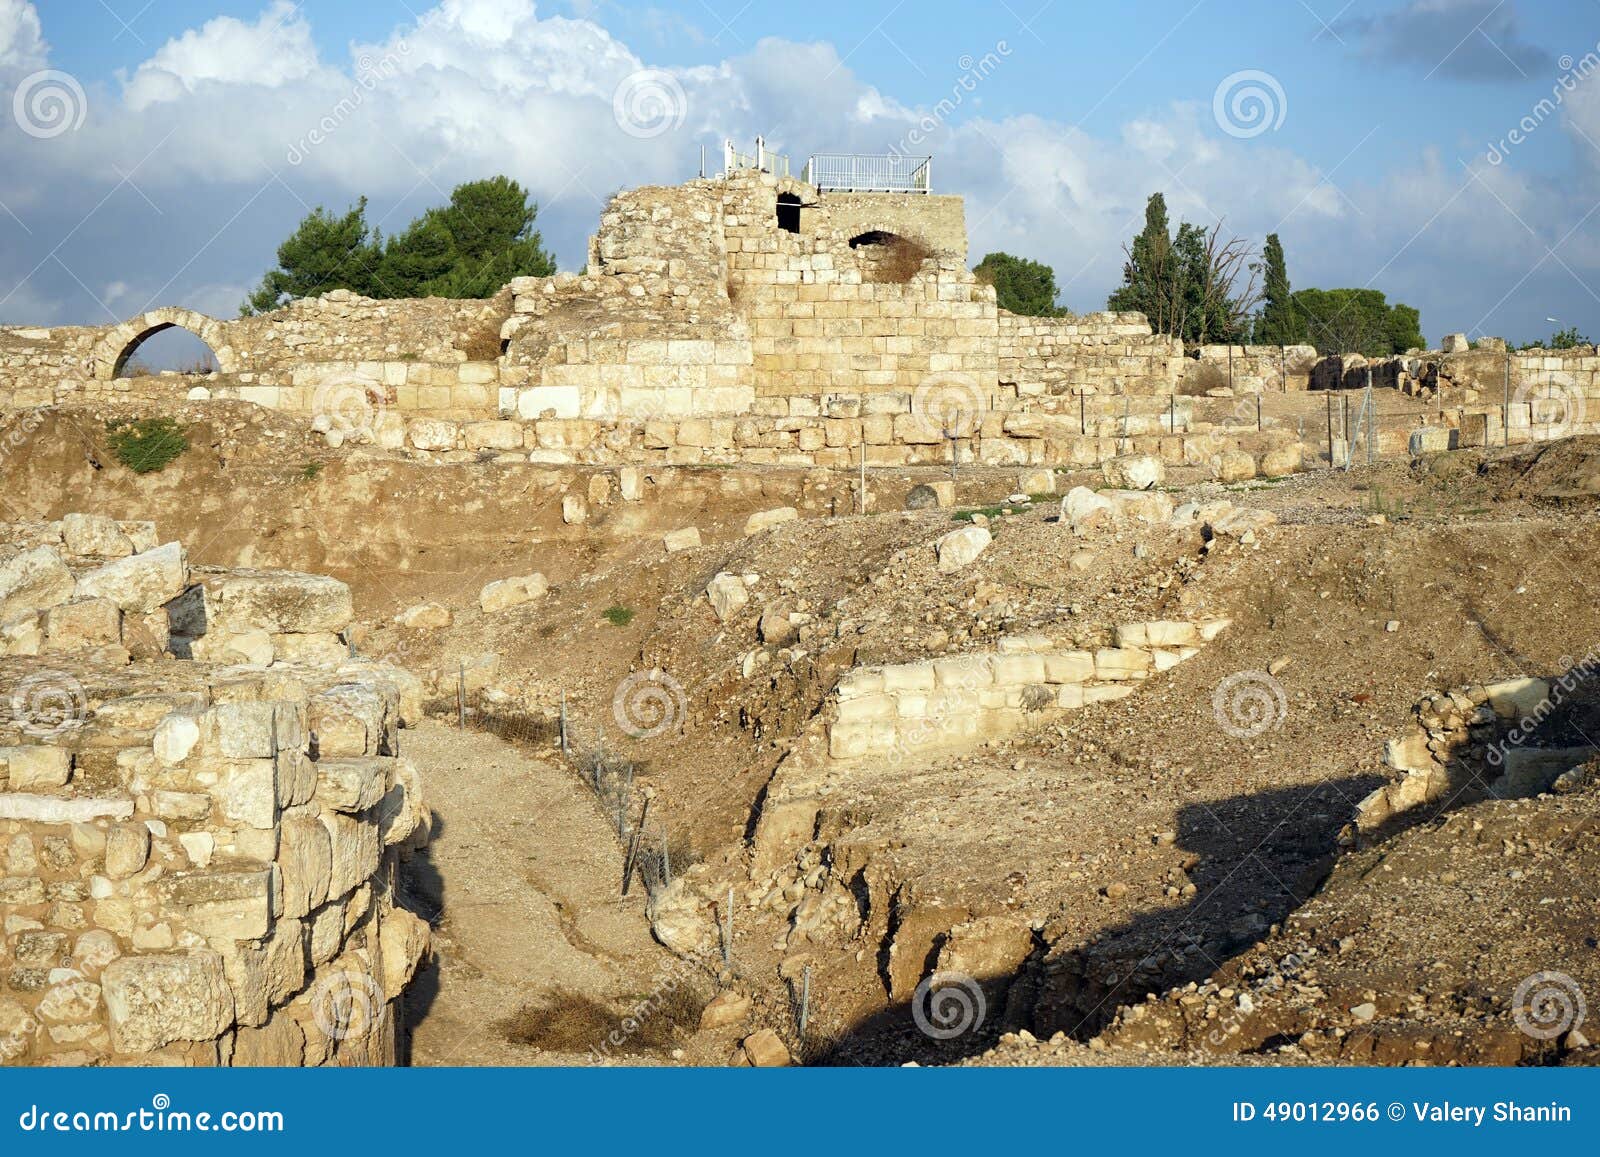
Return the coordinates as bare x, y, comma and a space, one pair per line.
1158, 865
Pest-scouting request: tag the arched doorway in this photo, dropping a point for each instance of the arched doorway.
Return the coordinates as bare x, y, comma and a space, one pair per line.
167, 348
202, 342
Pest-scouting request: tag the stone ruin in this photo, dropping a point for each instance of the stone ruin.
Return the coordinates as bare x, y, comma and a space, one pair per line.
202, 811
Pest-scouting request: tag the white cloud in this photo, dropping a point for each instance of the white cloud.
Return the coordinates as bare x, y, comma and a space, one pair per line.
274, 50
227, 133
22, 47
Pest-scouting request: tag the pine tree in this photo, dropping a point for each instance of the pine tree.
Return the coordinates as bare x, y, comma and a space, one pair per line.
1021, 286
325, 252
1278, 323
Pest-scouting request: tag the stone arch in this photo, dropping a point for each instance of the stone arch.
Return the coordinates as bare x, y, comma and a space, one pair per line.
112, 351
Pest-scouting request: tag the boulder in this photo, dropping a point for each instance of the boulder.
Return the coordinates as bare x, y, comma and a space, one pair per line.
425, 617
94, 536
686, 539
1233, 466
728, 594
432, 434
1283, 461
763, 519
512, 592
35, 768
1083, 509
1456, 343
141, 582
960, 547
275, 601
32, 580
1134, 472
725, 1008
1037, 482
764, 1049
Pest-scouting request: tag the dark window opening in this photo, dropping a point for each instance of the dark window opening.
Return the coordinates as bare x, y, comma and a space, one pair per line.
872, 237
788, 212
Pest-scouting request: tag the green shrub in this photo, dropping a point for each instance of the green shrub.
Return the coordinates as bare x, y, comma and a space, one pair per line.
618, 616
145, 445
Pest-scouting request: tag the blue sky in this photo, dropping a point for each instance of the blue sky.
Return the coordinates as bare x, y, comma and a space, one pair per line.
1374, 162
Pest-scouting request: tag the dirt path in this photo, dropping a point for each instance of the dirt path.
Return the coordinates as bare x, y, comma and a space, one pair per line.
522, 884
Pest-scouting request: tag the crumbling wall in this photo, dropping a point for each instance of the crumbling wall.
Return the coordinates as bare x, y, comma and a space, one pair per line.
1113, 353
197, 859
1256, 369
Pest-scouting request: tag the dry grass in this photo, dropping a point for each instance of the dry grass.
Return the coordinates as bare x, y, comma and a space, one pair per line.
482, 343
894, 262
569, 1022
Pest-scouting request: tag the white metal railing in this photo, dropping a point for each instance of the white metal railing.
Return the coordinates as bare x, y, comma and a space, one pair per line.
868, 173
762, 159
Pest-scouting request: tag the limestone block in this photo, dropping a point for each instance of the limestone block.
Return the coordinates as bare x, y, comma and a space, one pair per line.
352, 785
127, 849
425, 617
1164, 633
252, 646
232, 902
1282, 461
1036, 482
50, 809
1142, 505
243, 730
899, 677
1121, 663
1083, 509
1105, 694
313, 649
630, 482
432, 434
275, 601
849, 740
1019, 670
1134, 472
27, 769
868, 707
685, 539
963, 672
764, 1049
280, 1043
961, 547
1456, 343
763, 519
305, 864
94, 536
1233, 466
32, 580
401, 812
728, 594
1068, 667
350, 719
1517, 698
142, 582
573, 509
512, 592
247, 792
404, 939
154, 1000
355, 847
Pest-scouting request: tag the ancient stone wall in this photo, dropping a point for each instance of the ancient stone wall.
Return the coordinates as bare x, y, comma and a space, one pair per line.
1111, 353
197, 858
908, 709
1253, 369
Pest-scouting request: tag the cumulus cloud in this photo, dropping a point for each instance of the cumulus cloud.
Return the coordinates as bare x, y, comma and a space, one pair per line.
182, 180
1473, 40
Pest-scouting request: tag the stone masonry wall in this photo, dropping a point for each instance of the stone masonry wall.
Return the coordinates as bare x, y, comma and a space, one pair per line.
908, 709
197, 859
1112, 353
